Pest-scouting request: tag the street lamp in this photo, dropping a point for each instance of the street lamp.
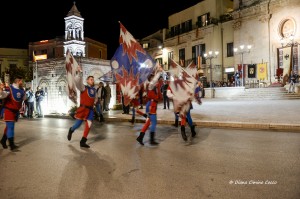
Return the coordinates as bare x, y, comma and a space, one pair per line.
291, 43
241, 52
211, 56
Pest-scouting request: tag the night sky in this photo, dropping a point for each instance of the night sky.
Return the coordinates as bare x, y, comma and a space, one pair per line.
27, 21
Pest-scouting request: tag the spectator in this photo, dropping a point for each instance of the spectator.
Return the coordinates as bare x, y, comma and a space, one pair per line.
107, 96
163, 90
237, 78
39, 96
293, 78
30, 102
100, 99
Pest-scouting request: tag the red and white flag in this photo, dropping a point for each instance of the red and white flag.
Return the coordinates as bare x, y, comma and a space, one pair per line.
182, 84
131, 65
71, 68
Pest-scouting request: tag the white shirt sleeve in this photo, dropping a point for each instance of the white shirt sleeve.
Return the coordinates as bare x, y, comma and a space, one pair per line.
79, 82
3, 94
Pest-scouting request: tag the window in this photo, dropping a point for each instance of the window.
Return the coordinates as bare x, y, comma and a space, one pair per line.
159, 61
145, 45
230, 49
177, 30
43, 52
182, 57
172, 32
186, 26
100, 54
198, 54
170, 56
204, 20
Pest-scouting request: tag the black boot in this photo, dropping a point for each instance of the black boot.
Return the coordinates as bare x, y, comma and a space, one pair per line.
176, 123
184, 137
70, 134
3, 141
152, 140
12, 144
101, 118
145, 115
193, 131
132, 120
140, 138
83, 143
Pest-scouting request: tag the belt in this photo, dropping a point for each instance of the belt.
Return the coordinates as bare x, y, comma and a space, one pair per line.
88, 107
12, 110
152, 100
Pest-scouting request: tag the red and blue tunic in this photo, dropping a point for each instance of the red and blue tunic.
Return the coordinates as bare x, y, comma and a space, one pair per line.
153, 98
87, 99
13, 103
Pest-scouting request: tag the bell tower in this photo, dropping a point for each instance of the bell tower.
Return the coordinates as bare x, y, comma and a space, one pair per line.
74, 33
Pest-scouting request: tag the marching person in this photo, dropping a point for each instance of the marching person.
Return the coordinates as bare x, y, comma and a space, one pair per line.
151, 108
184, 113
85, 111
14, 96
135, 103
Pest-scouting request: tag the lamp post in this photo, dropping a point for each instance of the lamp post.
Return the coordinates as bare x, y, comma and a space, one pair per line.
291, 44
241, 52
211, 56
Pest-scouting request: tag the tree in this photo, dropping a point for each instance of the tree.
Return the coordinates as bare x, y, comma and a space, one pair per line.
14, 71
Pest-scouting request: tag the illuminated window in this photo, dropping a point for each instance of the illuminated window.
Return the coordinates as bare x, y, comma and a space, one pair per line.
145, 45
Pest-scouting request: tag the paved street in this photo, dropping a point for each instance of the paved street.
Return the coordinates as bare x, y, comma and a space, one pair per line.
218, 163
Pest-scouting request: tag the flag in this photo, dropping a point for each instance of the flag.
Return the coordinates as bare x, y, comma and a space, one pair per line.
183, 84
71, 68
286, 60
242, 72
131, 65
251, 70
262, 71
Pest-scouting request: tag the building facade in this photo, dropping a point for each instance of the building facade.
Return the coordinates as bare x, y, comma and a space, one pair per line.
48, 62
272, 28
9, 58
204, 27
261, 35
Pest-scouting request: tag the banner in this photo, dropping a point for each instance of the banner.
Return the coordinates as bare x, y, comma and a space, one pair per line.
262, 71
242, 72
71, 68
251, 70
286, 60
182, 84
131, 65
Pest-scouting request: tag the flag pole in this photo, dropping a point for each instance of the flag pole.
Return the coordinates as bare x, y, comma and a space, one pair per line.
36, 74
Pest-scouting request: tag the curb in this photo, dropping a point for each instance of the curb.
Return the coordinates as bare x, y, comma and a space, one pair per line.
210, 124
218, 124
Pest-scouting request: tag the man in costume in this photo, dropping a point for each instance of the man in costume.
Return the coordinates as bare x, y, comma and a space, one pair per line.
14, 96
151, 108
85, 111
